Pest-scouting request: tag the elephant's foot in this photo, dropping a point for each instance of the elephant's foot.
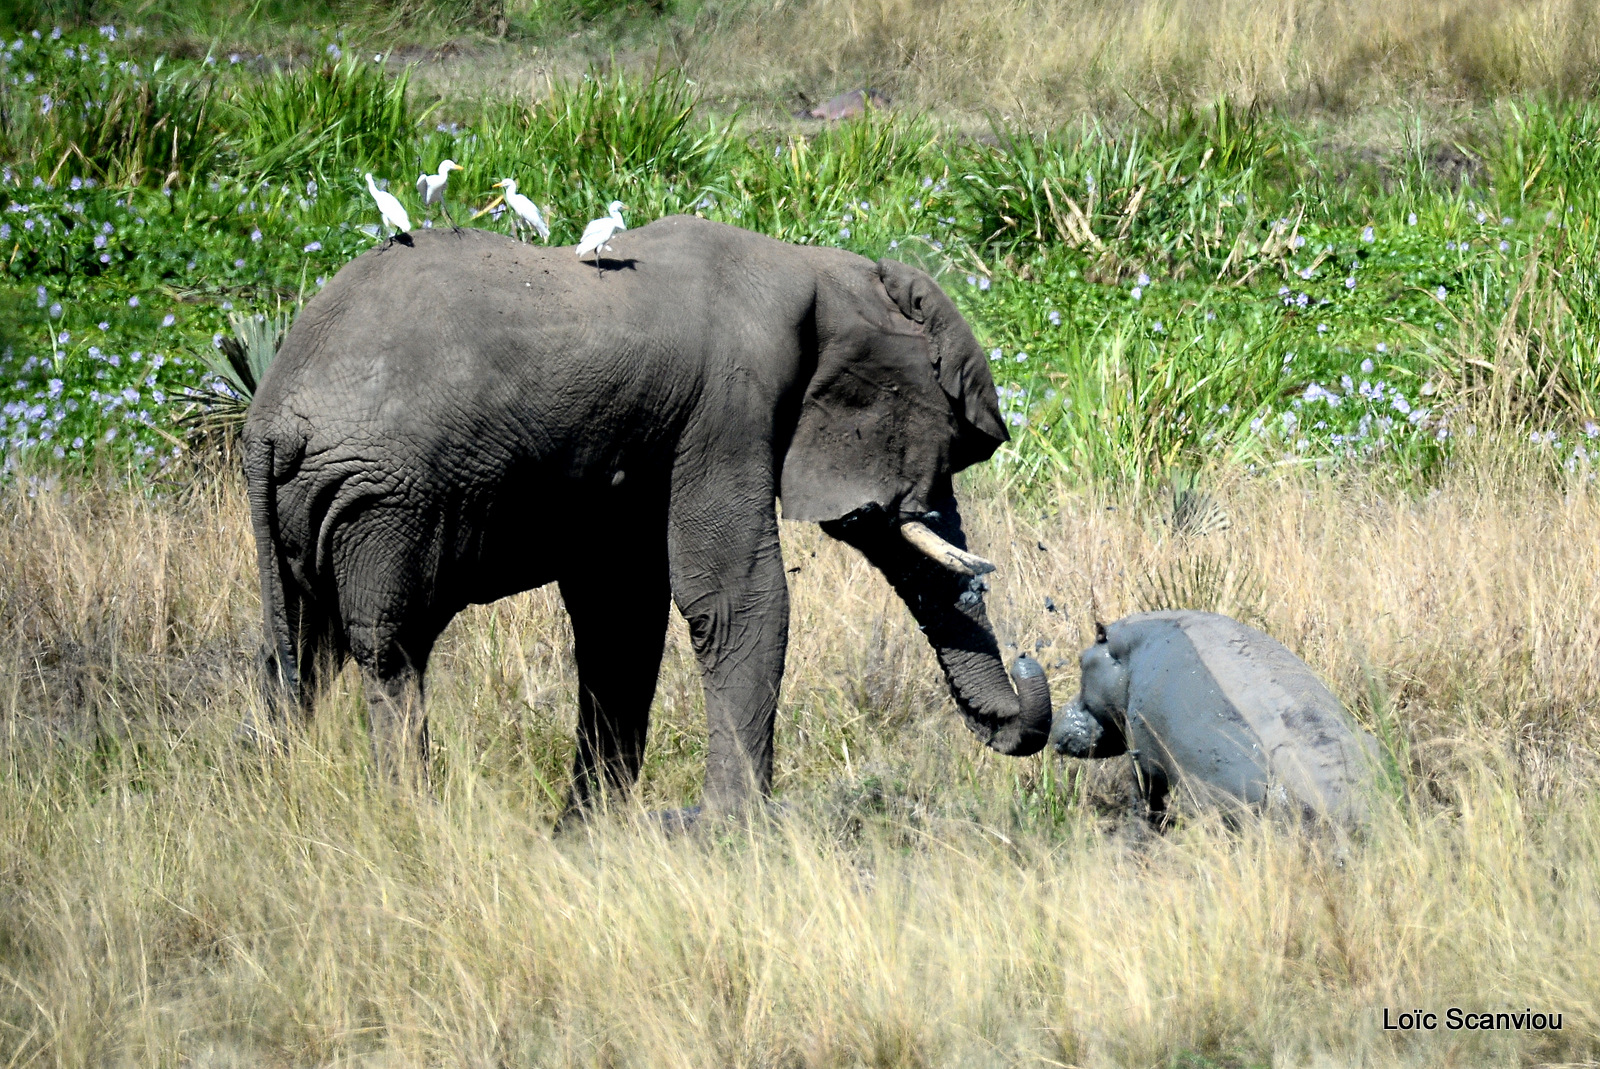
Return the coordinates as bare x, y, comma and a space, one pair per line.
753, 814
676, 821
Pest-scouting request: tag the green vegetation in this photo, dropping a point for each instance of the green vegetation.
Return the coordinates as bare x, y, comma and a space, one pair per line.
1202, 286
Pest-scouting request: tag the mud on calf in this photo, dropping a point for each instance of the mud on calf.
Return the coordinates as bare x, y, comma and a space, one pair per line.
1222, 712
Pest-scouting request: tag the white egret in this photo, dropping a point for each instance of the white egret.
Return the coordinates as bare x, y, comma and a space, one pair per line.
430, 187
523, 210
389, 209
599, 231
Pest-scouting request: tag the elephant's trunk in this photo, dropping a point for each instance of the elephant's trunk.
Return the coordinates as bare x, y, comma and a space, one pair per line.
949, 606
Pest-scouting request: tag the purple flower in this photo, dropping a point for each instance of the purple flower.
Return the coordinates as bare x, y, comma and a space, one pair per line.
133, 302
169, 320
315, 246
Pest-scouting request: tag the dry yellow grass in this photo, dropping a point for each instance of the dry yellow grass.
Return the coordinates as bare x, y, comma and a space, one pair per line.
168, 898
1046, 59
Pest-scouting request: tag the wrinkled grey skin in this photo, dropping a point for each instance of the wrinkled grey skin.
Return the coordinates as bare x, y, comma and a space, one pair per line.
463, 417
1223, 709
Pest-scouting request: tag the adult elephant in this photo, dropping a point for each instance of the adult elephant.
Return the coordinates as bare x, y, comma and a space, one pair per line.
463, 417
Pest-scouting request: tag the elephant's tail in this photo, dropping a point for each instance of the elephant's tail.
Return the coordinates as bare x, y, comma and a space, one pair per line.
278, 629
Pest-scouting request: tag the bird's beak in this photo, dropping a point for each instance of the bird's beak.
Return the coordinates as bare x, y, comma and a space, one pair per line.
498, 185
457, 167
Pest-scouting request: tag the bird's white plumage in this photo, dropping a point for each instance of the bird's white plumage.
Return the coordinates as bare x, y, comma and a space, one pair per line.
599, 231
430, 187
524, 208
389, 209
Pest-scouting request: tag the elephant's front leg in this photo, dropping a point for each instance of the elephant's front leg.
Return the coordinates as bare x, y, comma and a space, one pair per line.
618, 604
728, 581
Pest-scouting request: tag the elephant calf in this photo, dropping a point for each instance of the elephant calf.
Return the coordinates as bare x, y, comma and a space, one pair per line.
463, 417
1203, 700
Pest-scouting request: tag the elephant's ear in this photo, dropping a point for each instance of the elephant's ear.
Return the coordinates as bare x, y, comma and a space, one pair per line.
874, 429
959, 363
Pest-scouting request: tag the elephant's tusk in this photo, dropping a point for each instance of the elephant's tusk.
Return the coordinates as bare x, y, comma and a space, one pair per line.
957, 560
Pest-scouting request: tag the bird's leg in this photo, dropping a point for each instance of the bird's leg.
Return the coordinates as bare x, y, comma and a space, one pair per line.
443, 207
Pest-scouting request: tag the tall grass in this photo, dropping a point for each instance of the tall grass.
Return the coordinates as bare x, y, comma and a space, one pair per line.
1043, 61
233, 20
171, 896
324, 121
598, 138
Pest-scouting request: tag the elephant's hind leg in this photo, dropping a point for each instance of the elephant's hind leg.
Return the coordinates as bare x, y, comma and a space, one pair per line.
390, 624
618, 606
293, 679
